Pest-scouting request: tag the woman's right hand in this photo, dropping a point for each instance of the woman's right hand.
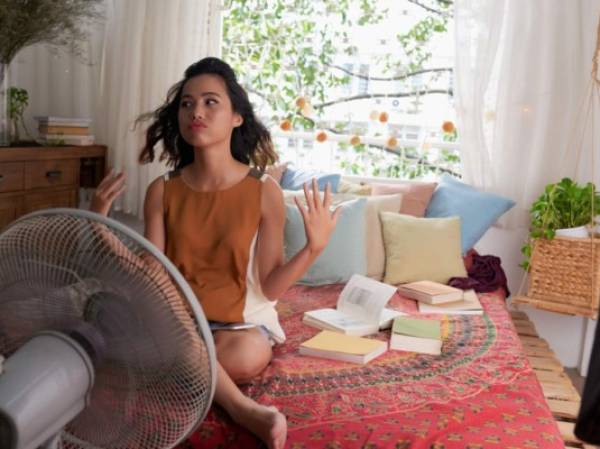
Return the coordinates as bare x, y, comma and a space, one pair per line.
109, 188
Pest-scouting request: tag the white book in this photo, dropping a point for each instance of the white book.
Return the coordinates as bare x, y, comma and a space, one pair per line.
63, 121
68, 139
360, 309
407, 343
430, 292
469, 305
416, 335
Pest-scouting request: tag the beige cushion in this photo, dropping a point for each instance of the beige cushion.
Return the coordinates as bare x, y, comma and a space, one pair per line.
374, 240
418, 249
375, 249
354, 188
415, 195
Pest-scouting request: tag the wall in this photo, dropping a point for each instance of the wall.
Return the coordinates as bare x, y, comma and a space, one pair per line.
565, 334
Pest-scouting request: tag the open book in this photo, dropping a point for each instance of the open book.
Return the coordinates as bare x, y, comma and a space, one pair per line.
360, 309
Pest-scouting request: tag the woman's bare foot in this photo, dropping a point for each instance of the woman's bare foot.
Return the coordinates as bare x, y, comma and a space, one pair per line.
267, 423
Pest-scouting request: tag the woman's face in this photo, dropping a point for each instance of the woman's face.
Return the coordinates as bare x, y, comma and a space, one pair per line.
206, 116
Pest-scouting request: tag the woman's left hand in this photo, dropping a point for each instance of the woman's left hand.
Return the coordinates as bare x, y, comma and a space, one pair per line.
319, 221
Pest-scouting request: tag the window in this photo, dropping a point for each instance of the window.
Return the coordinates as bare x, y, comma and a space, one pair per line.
307, 62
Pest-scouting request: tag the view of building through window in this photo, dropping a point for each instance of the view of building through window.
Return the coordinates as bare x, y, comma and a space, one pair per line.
359, 86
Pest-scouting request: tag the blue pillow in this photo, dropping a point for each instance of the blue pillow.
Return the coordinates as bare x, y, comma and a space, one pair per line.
478, 211
344, 255
294, 179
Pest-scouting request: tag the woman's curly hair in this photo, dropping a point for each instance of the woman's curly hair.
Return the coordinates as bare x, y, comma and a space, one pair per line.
251, 142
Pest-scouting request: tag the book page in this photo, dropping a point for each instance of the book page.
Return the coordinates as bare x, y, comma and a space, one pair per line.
364, 298
338, 319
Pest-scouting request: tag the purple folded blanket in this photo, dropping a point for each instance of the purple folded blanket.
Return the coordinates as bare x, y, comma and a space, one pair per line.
484, 275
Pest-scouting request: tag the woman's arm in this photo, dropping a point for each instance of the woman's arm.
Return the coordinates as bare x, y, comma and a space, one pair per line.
275, 276
154, 224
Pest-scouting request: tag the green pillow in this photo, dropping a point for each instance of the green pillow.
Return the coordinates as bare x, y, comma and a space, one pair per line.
418, 249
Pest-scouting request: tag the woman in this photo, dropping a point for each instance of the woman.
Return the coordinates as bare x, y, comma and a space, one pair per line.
221, 223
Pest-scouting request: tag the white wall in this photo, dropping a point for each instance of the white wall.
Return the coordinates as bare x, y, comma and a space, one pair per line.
564, 333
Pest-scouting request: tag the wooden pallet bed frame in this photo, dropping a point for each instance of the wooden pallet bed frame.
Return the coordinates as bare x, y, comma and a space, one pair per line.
561, 396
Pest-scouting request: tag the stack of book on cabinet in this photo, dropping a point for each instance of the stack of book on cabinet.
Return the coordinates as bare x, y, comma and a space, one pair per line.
64, 131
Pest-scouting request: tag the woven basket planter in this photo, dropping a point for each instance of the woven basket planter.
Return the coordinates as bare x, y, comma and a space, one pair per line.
564, 276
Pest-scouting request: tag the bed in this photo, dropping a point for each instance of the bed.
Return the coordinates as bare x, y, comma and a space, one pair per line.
481, 393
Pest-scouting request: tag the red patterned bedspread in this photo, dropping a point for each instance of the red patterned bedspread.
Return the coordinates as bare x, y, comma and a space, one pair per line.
480, 393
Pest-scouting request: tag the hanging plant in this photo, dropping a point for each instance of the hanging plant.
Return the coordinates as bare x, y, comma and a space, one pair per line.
565, 204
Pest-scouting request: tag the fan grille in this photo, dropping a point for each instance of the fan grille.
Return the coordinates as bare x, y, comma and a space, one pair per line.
153, 383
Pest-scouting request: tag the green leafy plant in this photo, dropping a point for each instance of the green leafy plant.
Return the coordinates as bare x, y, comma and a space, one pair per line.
282, 53
18, 100
565, 204
57, 23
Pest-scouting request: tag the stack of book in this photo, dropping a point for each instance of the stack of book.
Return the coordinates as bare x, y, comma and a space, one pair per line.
64, 131
430, 292
469, 305
434, 297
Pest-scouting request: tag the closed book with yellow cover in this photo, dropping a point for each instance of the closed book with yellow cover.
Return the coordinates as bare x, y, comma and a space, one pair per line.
347, 348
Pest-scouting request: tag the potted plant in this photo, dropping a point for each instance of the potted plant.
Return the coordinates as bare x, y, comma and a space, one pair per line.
60, 24
18, 100
564, 208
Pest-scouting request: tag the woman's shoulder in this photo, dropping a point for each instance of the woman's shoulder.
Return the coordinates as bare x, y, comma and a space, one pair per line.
172, 174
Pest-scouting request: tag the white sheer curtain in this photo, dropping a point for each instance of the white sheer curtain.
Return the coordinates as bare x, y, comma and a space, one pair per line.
148, 45
521, 72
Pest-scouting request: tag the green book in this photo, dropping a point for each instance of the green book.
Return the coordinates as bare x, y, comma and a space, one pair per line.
416, 335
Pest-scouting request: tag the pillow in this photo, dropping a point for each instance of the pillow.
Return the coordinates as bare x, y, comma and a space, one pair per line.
343, 256
375, 251
374, 240
276, 171
415, 195
336, 198
418, 249
294, 179
354, 188
477, 210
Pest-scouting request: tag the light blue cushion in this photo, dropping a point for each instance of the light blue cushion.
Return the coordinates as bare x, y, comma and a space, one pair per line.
478, 211
294, 179
345, 253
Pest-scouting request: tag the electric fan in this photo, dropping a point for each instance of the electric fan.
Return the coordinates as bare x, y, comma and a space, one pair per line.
105, 344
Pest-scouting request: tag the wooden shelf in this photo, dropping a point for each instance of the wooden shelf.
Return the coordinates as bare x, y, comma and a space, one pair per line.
562, 397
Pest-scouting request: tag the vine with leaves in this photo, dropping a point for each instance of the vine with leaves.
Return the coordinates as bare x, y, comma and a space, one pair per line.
282, 53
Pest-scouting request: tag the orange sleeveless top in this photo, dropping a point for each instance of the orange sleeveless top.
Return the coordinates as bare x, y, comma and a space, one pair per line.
210, 237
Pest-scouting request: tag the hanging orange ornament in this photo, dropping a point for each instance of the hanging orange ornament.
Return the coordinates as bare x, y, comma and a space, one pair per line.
391, 143
448, 127
301, 102
307, 110
355, 140
285, 125
383, 117
321, 136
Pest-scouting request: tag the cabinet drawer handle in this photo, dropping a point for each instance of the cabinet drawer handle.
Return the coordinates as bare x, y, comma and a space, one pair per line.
53, 174
1, 178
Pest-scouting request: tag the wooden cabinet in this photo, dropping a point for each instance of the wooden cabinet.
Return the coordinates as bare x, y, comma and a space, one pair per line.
33, 178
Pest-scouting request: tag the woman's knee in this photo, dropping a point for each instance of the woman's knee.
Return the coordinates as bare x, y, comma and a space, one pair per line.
243, 356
